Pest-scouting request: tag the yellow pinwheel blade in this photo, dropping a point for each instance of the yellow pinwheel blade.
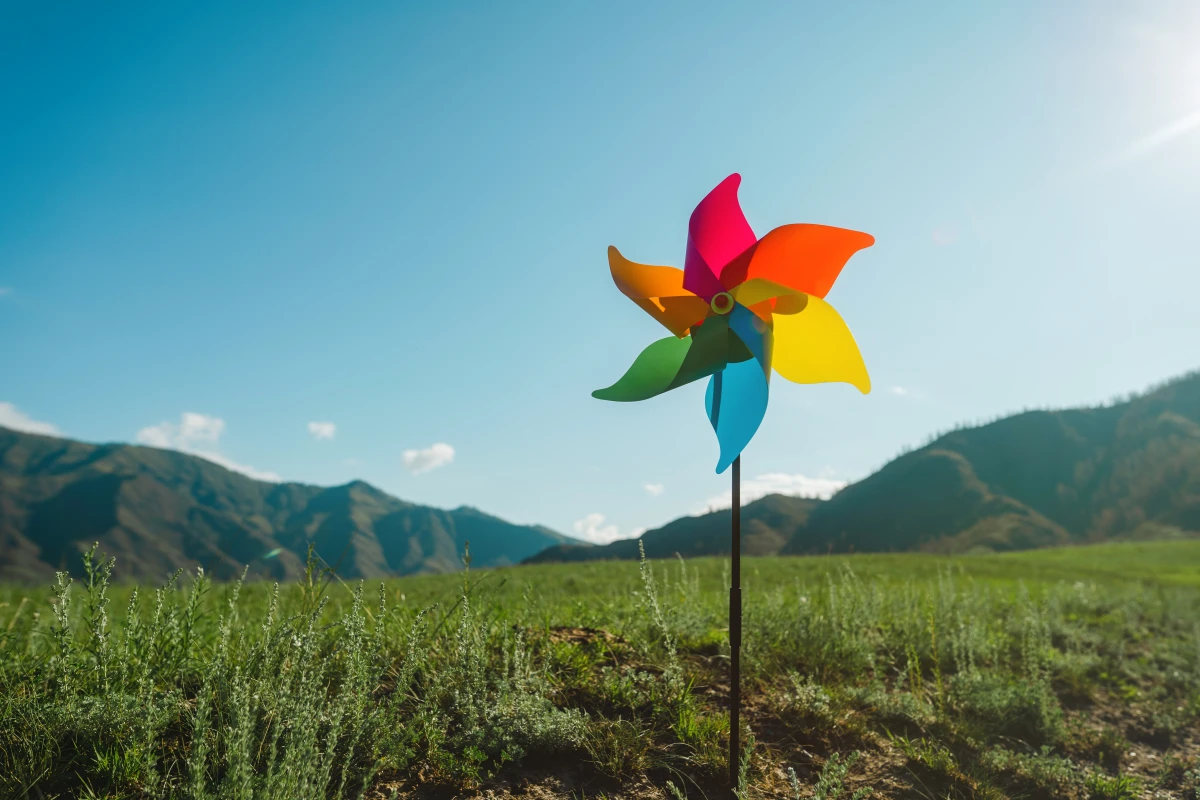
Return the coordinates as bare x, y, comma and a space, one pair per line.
756, 291
815, 346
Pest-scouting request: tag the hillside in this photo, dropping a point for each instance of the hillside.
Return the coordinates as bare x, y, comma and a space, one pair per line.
159, 510
1034, 479
1040, 478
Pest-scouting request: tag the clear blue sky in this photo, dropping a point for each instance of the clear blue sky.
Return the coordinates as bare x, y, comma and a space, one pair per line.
393, 217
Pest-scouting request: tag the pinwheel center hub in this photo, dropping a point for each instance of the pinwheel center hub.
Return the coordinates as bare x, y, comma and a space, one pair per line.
722, 303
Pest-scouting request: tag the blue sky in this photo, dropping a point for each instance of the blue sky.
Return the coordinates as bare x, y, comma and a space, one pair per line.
392, 217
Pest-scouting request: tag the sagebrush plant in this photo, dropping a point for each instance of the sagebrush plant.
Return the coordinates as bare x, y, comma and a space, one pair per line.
286, 705
976, 683
1117, 787
831, 782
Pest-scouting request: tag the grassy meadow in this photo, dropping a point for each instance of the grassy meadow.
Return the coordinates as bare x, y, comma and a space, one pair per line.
1071, 673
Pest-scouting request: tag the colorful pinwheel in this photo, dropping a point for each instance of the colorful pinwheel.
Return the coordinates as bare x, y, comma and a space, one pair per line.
740, 307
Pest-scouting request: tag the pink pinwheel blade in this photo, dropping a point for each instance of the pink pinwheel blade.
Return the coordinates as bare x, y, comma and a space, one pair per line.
697, 277
717, 234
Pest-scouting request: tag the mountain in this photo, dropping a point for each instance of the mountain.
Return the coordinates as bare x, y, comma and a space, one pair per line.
1126, 470
1035, 479
159, 510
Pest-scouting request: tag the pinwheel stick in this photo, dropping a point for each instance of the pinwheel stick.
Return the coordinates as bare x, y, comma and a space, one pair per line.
735, 610
747, 306
735, 633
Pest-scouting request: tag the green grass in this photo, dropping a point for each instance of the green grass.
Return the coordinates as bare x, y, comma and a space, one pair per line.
1030, 674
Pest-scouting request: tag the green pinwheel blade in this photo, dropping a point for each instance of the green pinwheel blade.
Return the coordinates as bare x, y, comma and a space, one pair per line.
651, 373
672, 362
709, 352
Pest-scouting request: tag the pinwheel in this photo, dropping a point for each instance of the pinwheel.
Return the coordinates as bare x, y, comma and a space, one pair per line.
740, 308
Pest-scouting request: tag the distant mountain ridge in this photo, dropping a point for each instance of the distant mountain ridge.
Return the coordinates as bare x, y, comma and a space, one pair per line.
1035, 479
1040, 478
159, 510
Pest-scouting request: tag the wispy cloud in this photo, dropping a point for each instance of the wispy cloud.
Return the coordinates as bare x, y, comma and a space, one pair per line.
796, 485
655, 489
234, 466
192, 429
436, 455
944, 235
322, 430
1156, 139
5, 291
17, 420
198, 435
909, 394
592, 529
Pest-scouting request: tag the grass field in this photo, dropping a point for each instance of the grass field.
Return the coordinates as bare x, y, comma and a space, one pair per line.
1061, 673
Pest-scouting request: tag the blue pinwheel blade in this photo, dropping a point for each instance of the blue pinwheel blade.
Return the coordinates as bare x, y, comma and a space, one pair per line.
754, 333
736, 415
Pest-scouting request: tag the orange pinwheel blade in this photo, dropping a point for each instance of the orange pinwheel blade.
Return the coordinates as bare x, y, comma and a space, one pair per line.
805, 257
815, 346
658, 291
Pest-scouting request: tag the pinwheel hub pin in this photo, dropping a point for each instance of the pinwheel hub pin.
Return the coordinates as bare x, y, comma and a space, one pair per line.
722, 303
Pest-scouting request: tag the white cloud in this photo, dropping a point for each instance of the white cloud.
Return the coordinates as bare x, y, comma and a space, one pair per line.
16, 419
655, 489
198, 435
796, 485
436, 455
193, 428
350, 462
245, 469
909, 394
322, 430
5, 290
592, 529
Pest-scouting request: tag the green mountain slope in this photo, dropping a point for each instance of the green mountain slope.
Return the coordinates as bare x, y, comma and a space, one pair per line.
159, 510
1040, 478
1034, 479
